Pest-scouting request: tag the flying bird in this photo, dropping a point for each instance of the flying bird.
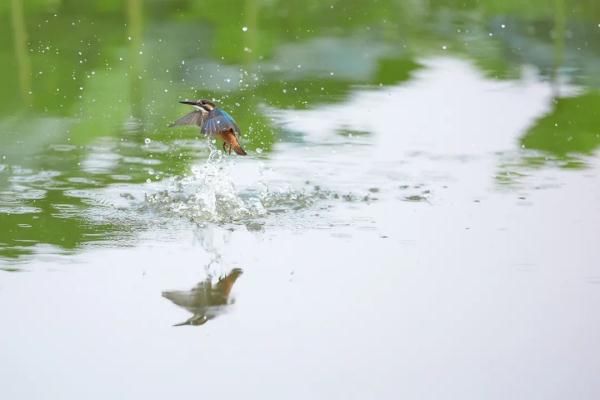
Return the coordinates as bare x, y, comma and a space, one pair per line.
213, 122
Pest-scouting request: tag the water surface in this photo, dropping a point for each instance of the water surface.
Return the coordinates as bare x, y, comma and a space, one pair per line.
417, 217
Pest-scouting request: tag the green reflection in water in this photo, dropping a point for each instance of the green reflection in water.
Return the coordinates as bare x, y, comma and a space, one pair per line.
572, 127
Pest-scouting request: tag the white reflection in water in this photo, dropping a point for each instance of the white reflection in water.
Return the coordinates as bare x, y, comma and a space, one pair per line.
448, 108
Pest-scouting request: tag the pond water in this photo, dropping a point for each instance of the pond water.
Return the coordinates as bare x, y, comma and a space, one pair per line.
418, 215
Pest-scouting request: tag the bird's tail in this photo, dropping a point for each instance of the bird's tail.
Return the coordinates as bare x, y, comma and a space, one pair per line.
230, 138
238, 149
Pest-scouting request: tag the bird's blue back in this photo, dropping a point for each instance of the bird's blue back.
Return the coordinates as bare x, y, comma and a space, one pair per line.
219, 121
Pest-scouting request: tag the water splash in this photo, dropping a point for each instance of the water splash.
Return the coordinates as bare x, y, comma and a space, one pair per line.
211, 194
207, 194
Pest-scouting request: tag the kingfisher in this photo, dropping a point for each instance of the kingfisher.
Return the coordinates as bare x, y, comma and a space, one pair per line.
213, 122
207, 300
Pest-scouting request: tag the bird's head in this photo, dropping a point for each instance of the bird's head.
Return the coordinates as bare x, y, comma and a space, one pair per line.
201, 104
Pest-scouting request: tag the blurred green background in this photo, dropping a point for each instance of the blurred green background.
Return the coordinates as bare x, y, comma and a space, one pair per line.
104, 76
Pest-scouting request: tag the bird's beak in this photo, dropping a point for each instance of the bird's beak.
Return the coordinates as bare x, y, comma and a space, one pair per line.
191, 103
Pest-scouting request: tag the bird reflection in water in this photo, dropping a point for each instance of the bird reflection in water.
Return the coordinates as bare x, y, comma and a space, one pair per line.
207, 300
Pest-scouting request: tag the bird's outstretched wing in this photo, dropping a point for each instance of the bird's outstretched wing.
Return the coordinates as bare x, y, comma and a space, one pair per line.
219, 121
193, 118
